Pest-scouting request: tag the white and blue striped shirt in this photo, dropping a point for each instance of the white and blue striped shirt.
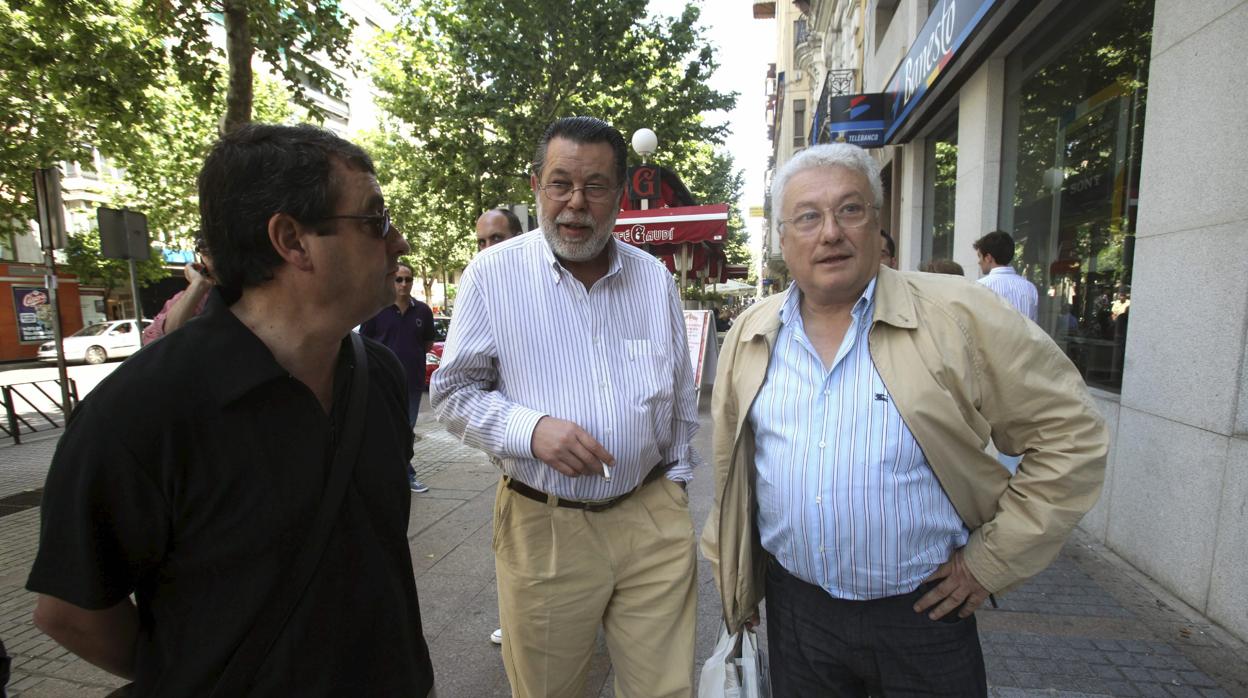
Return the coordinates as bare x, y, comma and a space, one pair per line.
527, 340
846, 498
1016, 290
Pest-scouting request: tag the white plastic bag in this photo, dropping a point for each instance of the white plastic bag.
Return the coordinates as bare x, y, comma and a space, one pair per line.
736, 669
755, 682
719, 673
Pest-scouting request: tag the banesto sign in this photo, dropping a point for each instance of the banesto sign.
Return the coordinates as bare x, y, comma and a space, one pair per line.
948, 27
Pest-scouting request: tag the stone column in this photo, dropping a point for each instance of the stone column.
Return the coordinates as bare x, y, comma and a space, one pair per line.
1178, 500
981, 103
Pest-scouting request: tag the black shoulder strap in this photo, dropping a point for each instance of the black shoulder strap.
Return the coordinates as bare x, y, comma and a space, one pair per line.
237, 678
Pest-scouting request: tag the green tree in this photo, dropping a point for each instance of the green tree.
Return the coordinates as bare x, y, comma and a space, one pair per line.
73, 75
78, 74
712, 177
84, 260
160, 175
438, 250
290, 35
473, 83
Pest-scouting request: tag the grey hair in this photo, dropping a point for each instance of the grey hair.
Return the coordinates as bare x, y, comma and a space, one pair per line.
844, 155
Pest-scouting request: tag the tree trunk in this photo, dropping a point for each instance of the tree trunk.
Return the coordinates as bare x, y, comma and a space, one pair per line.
446, 289
238, 52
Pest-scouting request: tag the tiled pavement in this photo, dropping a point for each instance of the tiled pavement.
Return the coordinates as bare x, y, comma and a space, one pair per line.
1088, 626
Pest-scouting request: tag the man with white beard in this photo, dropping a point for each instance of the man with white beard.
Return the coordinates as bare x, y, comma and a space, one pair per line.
567, 364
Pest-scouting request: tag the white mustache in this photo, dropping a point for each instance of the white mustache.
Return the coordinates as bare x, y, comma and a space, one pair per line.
569, 218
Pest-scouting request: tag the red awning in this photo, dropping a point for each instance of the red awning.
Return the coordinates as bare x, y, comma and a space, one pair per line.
673, 226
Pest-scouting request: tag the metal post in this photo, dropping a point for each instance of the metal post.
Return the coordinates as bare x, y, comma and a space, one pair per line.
11, 413
134, 290
54, 297
51, 213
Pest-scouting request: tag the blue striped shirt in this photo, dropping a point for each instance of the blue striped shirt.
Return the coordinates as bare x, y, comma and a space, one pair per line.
1016, 290
847, 500
528, 340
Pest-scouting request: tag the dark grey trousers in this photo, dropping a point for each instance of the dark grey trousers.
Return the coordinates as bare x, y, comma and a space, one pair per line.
820, 646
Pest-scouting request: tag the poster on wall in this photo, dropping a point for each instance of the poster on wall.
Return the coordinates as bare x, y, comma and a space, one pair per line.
33, 311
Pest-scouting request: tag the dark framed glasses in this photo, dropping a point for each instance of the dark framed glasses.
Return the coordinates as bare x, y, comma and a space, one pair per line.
403, 279
379, 223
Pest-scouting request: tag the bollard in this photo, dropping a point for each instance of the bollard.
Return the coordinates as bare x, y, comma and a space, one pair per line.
12, 414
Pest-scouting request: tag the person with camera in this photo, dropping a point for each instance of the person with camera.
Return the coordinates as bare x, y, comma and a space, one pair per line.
187, 303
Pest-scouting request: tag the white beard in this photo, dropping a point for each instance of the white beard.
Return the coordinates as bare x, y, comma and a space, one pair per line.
579, 251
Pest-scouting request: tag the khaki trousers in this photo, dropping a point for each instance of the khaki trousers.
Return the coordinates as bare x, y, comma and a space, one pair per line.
562, 572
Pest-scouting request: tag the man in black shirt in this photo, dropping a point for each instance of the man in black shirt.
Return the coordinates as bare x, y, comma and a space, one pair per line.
190, 477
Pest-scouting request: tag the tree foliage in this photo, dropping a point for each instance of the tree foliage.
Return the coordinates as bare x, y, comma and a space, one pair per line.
290, 35
420, 214
82, 74
160, 175
84, 259
711, 176
73, 74
473, 83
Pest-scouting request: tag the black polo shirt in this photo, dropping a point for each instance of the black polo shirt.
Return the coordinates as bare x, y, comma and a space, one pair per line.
190, 477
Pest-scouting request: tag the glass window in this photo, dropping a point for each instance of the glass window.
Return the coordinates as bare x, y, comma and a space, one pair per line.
799, 123
940, 180
1074, 125
8, 250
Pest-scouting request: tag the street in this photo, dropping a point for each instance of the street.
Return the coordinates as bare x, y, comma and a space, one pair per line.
1088, 626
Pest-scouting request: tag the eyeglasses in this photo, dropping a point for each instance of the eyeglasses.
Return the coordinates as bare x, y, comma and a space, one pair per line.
850, 215
402, 279
379, 223
563, 191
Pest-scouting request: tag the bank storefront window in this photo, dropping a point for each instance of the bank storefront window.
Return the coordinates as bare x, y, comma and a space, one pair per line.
1074, 125
940, 181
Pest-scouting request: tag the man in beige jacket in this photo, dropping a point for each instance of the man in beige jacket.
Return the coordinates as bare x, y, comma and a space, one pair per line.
853, 490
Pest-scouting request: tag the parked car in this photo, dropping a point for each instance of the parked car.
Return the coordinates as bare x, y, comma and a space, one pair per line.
98, 342
441, 325
433, 357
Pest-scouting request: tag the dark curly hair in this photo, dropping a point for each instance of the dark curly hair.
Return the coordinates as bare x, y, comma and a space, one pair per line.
584, 129
256, 172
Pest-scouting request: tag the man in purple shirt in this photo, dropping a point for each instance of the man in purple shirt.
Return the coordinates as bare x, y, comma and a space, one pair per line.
406, 328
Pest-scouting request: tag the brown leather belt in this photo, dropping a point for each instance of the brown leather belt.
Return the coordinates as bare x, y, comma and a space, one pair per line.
539, 496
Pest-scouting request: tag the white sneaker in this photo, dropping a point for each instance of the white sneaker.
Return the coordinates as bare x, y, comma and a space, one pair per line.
497, 636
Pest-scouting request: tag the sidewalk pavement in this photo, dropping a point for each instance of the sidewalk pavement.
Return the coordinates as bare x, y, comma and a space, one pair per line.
1090, 625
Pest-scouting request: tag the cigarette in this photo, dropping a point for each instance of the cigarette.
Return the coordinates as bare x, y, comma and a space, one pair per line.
606, 471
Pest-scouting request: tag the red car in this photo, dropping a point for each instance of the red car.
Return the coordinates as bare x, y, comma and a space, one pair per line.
433, 357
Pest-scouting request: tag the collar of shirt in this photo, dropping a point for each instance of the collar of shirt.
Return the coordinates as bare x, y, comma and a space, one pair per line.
861, 314
789, 311
1002, 270
557, 268
411, 304
232, 356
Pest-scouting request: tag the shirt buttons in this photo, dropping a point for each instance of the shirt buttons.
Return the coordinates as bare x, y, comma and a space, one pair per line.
818, 500
821, 444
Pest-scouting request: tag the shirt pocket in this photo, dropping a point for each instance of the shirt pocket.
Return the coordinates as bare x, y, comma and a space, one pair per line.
646, 366
639, 350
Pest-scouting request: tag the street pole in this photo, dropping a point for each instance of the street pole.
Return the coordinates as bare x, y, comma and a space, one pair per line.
54, 298
134, 290
51, 215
